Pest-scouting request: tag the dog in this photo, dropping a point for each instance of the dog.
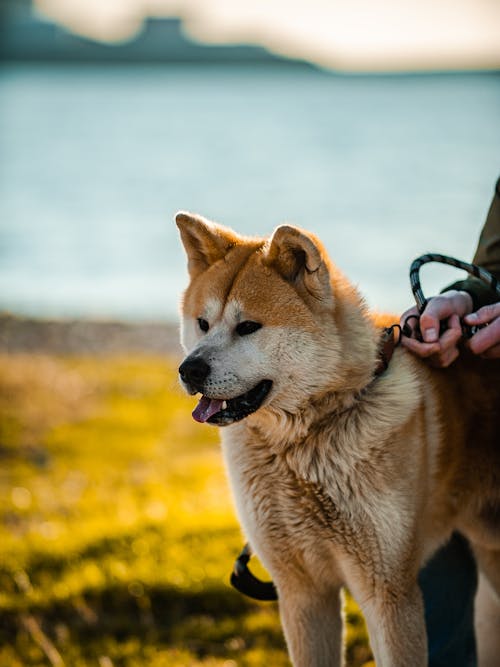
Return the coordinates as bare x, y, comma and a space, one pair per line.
341, 475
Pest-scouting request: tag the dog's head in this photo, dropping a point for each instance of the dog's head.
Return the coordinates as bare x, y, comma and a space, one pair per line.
259, 320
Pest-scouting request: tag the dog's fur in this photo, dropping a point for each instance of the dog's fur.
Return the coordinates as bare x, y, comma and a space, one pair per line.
340, 477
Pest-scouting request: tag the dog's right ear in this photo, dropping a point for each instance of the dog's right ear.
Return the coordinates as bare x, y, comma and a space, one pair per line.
204, 241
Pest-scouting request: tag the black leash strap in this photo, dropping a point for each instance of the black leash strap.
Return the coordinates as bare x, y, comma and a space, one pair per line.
245, 582
472, 269
421, 301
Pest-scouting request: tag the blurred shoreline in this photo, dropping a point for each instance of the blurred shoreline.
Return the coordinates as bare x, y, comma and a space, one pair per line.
21, 335
28, 37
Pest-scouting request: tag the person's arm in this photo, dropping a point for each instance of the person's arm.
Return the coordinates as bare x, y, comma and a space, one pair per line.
487, 255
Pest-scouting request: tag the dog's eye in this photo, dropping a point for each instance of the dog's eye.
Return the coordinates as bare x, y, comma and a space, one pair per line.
203, 324
248, 327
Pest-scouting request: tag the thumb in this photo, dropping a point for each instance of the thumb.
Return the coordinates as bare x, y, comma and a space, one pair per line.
429, 325
484, 315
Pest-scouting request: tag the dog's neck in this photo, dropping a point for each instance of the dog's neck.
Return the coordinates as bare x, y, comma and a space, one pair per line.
350, 385
283, 428
338, 434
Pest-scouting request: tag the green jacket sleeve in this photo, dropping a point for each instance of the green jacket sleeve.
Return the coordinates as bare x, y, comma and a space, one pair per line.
487, 255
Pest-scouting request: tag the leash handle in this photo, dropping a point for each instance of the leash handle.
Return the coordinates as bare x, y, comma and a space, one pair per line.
472, 269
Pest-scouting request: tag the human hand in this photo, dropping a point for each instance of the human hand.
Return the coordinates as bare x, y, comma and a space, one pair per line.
486, 341
440, 349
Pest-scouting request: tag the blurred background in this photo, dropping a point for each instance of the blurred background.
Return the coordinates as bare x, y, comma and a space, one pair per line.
374, 124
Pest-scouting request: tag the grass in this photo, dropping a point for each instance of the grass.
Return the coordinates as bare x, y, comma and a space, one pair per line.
118, 533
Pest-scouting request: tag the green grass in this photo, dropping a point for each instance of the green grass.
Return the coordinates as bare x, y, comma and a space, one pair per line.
118, 533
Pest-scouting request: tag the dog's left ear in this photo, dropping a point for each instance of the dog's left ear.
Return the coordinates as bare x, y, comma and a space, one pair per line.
205, 242
300, 259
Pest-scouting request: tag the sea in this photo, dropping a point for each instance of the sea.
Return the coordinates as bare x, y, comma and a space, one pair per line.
95, 160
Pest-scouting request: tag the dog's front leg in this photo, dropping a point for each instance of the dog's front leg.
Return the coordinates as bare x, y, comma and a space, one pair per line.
312, 624
397, 628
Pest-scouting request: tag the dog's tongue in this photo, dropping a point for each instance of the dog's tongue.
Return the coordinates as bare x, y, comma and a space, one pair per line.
206, 408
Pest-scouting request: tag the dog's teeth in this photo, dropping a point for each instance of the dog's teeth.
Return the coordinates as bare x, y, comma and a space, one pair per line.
224, 405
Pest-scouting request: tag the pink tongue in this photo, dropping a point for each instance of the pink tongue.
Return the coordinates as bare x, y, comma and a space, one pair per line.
206, 408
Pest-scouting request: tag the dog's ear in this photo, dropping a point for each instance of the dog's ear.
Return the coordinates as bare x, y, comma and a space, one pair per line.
204, 241
300, 259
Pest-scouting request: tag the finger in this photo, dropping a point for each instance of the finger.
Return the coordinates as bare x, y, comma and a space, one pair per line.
486, 338
492, 352
445, 359
484, 315
452, 334
448, 344
429, 327
422, 350
437, 309
440, 308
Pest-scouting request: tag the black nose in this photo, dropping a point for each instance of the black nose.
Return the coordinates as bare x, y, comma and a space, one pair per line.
194, 371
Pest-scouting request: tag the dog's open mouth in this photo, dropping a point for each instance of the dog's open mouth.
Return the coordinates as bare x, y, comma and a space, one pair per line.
222, 413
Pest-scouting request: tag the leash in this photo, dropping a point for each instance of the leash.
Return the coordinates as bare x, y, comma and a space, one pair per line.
241, 578
421, 301
472, 269
248, 584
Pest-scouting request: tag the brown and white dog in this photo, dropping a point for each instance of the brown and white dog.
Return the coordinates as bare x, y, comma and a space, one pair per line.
340, 477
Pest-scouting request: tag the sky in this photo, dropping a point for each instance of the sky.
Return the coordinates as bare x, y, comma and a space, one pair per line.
348, 35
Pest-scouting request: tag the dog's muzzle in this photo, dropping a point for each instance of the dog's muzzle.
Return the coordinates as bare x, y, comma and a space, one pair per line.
194, 372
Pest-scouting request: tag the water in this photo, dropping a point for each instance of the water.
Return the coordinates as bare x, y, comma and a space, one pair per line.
95, 161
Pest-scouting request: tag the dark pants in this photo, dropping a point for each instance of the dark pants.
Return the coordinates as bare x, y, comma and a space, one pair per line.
449, 584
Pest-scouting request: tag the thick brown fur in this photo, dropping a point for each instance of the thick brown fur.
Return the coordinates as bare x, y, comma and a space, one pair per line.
340, 478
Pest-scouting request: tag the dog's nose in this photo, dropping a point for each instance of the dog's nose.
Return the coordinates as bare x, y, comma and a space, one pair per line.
194, 371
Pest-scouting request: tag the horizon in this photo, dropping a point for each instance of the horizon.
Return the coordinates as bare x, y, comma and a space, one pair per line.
430, 35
